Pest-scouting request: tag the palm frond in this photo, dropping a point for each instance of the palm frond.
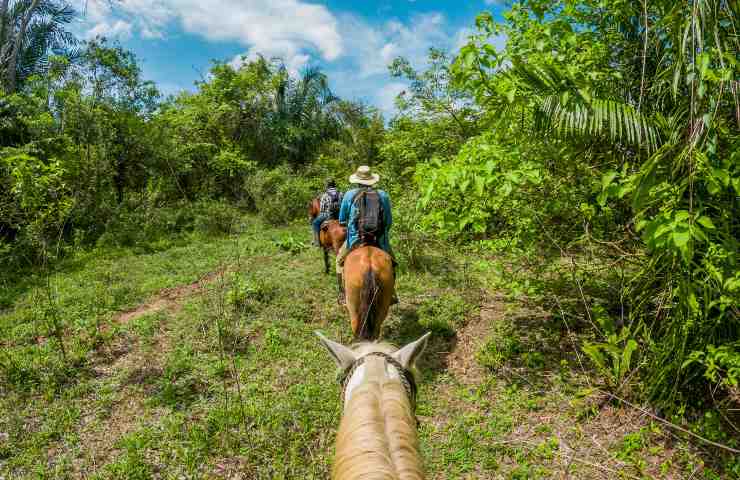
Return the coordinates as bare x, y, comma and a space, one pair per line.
566, 106
45, 34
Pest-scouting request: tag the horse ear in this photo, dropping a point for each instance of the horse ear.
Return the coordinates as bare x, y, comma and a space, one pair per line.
407, 355
343, 356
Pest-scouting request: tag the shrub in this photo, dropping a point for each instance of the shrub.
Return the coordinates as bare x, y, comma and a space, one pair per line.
149, 226
215, 218
246, 292
279, 195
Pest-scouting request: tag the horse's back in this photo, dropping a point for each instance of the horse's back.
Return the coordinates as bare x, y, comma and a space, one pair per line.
368, 276
364, 258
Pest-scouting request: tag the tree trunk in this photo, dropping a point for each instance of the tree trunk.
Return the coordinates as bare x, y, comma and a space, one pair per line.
4, 34
3, 20
11, 77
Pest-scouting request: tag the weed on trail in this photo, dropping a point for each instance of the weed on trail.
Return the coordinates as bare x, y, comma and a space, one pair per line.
227, 380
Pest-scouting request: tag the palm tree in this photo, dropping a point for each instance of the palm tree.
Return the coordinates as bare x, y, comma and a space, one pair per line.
302, 114
31, 30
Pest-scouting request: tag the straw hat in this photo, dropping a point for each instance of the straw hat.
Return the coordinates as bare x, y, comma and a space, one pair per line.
363, 176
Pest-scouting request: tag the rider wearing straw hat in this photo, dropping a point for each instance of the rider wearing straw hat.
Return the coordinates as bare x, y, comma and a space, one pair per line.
350, 212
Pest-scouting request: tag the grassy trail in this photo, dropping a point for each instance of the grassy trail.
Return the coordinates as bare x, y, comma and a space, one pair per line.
200, 361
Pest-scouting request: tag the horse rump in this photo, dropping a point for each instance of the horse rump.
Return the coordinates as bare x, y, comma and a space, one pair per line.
371, 290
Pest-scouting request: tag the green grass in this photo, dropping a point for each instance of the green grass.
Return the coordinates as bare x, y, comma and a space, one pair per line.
230, 379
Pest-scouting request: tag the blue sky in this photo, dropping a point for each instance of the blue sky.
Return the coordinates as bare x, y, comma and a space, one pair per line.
353, 41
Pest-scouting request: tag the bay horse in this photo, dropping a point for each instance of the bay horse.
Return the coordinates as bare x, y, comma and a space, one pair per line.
377, 438
369, 284
332, 233
314, 208
331, 237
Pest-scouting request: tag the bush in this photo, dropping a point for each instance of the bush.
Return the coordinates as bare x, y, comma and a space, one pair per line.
486, 188
246, 292
148, 226
279, 195
215, 218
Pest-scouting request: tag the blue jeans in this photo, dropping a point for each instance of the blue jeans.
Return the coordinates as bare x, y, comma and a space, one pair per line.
319, 220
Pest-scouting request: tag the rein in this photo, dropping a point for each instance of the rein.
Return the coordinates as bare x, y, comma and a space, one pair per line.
407, 378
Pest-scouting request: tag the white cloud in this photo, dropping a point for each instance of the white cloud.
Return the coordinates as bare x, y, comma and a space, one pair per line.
116, 29
289, 28
461, 37
355, 53
373, 48
370, 49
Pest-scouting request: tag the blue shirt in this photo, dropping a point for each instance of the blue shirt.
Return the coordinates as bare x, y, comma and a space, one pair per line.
348, 215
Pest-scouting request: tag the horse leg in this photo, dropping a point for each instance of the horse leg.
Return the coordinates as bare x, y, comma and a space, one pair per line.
326, 261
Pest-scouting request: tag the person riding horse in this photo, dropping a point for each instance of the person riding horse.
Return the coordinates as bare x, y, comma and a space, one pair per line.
366, 212
329, 208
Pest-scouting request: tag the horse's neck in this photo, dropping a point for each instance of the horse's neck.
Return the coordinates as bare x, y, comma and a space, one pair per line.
377, 437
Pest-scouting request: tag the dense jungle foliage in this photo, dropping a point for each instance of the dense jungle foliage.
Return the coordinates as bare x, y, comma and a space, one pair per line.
600, 146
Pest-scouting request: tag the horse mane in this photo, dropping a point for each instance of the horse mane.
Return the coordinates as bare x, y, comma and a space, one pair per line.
371, 290
377, 437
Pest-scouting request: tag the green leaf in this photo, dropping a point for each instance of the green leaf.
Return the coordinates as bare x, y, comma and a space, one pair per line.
464, 185
626, 360
608, 178
706, 222
681, 238
722, 176
490, 167
681, 216
480, 184
510, 95
693, 303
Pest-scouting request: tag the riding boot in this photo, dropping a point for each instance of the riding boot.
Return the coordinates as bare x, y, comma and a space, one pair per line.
316, 242
341, 298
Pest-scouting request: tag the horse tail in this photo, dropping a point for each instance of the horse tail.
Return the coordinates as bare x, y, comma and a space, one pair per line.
371, 290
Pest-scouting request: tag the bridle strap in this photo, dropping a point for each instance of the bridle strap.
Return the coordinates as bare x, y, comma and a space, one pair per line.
407, 378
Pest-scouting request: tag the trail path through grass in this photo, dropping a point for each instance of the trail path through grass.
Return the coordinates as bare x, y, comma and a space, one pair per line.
200, 362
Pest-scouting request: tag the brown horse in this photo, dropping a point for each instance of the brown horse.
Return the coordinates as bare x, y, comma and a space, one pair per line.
370, 285
332, 233
314, 208
331, 237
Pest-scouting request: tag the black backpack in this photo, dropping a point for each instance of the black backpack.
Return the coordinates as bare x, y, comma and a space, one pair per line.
369, 219
336, 198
